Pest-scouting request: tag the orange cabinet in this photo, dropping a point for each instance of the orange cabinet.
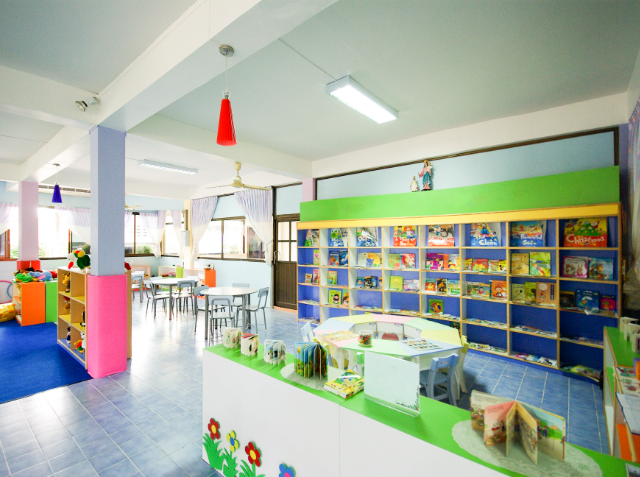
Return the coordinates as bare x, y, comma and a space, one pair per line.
32, 301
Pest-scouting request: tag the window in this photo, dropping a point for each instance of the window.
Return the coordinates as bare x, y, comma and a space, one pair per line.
170, 243
136, 239
231, 239
287, 241
53, 237
77, 242
9, 243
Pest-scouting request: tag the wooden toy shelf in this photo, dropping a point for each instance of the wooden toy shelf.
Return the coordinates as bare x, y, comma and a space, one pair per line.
72, 311
565, 323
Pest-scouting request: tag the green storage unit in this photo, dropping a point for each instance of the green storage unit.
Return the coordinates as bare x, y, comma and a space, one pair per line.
51, 301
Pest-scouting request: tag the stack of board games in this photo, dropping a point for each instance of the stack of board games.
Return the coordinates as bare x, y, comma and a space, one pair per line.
591, 232
405, 236
441, 235
311, 240
274, 352
231, 337
310, 359
367, 237
338, 238
528, 234
249, 344
346, 385
485, 235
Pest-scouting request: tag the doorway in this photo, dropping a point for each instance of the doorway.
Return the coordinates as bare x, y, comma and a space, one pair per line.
286, 261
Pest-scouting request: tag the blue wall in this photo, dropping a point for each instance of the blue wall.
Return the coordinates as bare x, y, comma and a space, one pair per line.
542, 159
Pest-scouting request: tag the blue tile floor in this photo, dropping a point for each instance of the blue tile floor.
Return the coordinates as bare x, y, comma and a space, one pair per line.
147, 420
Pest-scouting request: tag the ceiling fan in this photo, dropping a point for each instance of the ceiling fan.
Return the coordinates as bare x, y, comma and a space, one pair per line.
130, 207
237, 181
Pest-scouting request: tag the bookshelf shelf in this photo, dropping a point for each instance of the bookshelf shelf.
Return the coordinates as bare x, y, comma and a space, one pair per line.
463, 307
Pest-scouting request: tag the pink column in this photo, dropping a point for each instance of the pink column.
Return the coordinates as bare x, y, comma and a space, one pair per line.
28, 220
308, 190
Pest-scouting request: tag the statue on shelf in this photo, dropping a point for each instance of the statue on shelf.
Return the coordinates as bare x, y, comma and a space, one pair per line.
414, 185
427, 175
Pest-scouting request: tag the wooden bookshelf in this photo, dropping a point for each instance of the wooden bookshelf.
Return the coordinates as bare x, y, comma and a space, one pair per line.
552, 318
72, 311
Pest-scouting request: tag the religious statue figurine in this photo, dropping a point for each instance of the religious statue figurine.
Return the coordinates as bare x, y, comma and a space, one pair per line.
427, 174
414, 185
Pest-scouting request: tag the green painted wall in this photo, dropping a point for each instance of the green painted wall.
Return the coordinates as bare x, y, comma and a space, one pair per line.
594, 186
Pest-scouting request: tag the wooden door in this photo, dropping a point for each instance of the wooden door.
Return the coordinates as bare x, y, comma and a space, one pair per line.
286, 261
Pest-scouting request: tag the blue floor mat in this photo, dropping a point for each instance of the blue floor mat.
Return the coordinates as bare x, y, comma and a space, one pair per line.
31, 361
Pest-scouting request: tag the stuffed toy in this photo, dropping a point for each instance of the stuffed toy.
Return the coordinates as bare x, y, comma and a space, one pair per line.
54, 274
69, 336
7, 312
24, 277
84, 321
79, 345
79, 258
67, 305
127, 266
66, 283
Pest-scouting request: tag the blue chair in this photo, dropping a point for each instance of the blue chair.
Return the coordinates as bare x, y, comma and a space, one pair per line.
434, 377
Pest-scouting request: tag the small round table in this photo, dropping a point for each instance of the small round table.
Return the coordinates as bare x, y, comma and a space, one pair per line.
170, 282
244, 292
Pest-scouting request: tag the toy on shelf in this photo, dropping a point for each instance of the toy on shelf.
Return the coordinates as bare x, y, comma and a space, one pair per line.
80, 344
69, 336
66, 281
414, 185
231, 337
80, 259
427, 176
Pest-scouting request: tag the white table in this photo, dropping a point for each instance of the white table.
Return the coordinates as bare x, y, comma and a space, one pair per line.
170, 282
244, 292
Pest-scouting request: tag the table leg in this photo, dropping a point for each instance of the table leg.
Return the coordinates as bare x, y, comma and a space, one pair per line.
170, 301
206, 318
244, 313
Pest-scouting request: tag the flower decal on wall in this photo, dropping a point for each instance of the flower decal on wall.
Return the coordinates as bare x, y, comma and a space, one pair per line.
215, 454
253, 453
233, 442
286, 471
214, 429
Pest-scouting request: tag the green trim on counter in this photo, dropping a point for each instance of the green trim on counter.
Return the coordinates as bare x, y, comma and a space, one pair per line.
433, 425
620, 348
612, 384
558, 190
51, 301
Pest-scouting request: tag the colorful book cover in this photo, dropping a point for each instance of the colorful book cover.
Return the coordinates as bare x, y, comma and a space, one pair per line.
587, 299
470, 288
585, 232
468, 264
441, 285
453, 263
316, 257
453, 287
494, 266
576, 267
530, 233
345, 298
601, 268
334, 258
408, 260
484, 290
496, 423
441, 236
359, 282
338, 238
332, 277
316, 276
567, 299
436, 307
311, 240
480, 265
540, 264
435, 261
502, 266
346, 385
485, 234
608, 303
367, 237
405, 236
371, 282
545, 293
395, 261
520, 263
430, 285
344, 260
530, 292
517, 292
411, 285
307, 277
395, 283
499, 289
335, 297
369, 260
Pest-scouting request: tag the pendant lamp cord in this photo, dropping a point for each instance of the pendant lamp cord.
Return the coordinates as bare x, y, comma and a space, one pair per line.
226, 85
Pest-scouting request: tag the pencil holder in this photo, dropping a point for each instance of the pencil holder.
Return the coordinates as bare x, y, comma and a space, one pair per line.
365, 338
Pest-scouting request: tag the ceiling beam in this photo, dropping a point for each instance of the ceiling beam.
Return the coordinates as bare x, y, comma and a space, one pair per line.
175, 133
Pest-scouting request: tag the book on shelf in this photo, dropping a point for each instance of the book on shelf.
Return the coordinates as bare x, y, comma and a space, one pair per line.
334, 258
530, 292
468, 264
316, 257
307, 277
367, 237
338, 238
441, 235
311, 239
484, 290
535, 331
517, 292
395, 261
274, 352
310, 359
335, 297
567, 299
368, 260
530, 233
575, 267
583, 371
430, 285
478, 321
435, 261
540, 264
249, 344
588, 300
591, 232
453, 287
343, 258
395, 283
546, 294
371, 282
601, 268
412, 285
359, 282
494, 266
608, 303
453, 262
485, 234
487, 347
582, 339
345, 298
315, 276
405, 236
408, 260
520, 263
499, 289
441, 285
346, 385
536, 359
480, 265
332, 277
436, 306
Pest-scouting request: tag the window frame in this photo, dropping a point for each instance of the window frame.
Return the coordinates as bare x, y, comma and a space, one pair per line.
6, 237
244, 242
164, 234
135, 230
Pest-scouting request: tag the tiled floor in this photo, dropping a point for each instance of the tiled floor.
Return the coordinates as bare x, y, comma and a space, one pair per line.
147, 421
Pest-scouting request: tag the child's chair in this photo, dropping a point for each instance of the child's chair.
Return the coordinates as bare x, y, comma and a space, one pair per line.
461, 384
432, 378
307, 334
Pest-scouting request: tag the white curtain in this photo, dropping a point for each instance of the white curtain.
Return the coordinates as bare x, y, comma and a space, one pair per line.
155, 222
78, 220
201, 214
128, 218
632, 279
8, 216
258, 211
176, 216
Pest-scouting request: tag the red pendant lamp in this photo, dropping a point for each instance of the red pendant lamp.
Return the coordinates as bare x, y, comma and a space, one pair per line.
226, 131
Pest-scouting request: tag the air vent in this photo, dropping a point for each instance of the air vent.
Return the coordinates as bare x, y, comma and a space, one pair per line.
67, 190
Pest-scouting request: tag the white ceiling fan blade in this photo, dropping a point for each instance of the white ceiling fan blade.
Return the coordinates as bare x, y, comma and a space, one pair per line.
216, 187
247, 186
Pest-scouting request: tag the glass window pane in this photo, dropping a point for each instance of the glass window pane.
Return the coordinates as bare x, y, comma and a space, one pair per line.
211, 243
77, 243
294, 252
128, 237
13, 240
2, 245
144, 244
283, 230
171, 244
233, 239
283, 251
53, 236
254, 245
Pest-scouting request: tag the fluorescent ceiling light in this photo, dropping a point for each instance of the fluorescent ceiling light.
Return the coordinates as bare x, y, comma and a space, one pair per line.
350, 92
167, 167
